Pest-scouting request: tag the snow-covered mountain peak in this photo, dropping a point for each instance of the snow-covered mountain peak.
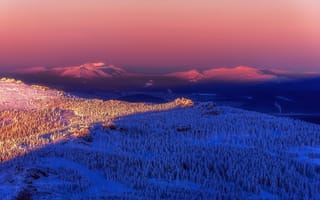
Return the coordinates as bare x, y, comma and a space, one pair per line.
84, 71
238, 73
98, 64
192, 75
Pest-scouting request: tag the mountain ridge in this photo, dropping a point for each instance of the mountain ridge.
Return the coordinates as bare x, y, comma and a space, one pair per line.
241, 73
84, 71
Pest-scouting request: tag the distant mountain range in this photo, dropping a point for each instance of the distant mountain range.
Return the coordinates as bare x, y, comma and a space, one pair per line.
101, 70
236, 74
85, 71
93, 77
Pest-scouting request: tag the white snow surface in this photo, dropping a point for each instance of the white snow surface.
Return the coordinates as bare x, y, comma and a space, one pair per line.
21, 96
198, 152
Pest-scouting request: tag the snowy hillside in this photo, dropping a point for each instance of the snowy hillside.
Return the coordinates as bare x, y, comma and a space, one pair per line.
17, 95
63, 147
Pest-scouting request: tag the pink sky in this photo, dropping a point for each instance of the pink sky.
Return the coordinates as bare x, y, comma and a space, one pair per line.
161, 33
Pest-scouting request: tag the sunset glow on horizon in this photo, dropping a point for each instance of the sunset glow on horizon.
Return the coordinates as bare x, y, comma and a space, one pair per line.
162, 34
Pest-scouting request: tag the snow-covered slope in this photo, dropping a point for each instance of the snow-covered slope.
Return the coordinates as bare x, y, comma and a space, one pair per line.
73, 148
17, 95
